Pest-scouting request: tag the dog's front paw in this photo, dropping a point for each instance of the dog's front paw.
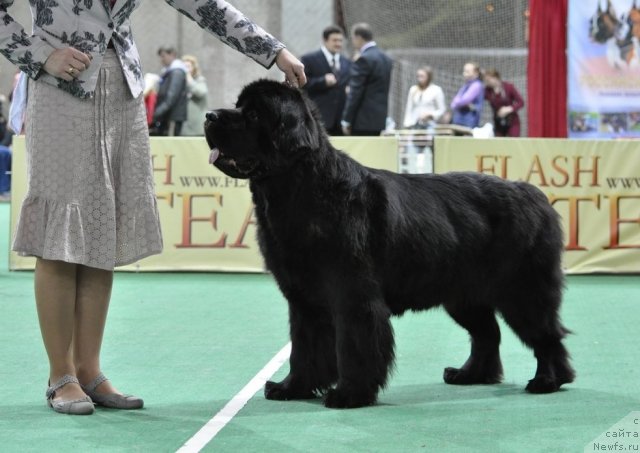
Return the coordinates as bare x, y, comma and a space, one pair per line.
462, 376
542, 384
338, 398
283, 391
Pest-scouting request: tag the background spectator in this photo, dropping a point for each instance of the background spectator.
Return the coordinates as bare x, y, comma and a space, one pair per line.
327, 77
365, 112
150, 94
3, 119
467, 104
425, 101
5, 173
171, 106
505, 102
197, 92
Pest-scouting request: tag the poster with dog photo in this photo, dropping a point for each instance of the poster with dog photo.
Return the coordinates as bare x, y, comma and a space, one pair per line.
603, 68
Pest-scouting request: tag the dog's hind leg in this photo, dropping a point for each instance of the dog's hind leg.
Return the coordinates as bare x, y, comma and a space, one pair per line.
313, 366
364, 344
483, 365
535, 320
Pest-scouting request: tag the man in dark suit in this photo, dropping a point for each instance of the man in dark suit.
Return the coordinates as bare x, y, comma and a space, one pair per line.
365, 112
327, 74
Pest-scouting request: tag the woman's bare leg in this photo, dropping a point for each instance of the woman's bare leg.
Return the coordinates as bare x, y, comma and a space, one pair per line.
55, 290
93, 292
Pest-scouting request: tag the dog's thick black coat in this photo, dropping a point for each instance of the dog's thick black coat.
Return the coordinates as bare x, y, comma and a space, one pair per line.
350, 246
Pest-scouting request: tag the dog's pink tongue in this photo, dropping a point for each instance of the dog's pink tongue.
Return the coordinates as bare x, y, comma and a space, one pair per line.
215, 152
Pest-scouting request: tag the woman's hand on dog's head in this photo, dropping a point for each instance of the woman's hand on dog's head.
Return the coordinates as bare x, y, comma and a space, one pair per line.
292, 67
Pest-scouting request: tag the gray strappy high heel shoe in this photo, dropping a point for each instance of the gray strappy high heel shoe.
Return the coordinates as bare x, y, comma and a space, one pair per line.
112, 400
82, 406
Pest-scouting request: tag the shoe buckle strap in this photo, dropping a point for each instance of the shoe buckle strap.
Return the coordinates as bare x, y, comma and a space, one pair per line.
100, 378
66, 379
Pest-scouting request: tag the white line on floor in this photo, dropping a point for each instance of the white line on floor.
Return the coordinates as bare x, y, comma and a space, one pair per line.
226, 414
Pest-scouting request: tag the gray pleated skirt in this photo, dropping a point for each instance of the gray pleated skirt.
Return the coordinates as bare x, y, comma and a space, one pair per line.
91, 197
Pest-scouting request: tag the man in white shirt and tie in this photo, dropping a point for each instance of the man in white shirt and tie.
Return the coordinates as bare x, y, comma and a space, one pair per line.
327, 72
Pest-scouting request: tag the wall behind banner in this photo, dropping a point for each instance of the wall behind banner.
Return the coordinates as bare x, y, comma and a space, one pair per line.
594, 185
207, 217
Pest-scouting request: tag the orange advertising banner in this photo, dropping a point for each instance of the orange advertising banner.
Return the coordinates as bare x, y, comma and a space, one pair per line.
593, 184
207, 218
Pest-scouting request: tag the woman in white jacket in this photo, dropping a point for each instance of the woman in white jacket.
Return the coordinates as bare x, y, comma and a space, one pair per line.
90, 204
425, 107
425, 101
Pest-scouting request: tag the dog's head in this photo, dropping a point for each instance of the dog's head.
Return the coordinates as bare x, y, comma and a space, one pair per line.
604, 24
272, 126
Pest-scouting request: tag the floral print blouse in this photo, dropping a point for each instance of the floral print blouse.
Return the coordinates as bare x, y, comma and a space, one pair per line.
88, 25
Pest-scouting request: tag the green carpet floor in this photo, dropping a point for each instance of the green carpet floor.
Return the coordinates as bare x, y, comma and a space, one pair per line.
188, 343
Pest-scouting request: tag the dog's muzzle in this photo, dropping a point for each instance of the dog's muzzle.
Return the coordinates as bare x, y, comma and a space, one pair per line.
212, 117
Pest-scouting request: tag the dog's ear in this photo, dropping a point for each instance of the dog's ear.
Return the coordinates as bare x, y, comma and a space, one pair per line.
300, 130
312, 124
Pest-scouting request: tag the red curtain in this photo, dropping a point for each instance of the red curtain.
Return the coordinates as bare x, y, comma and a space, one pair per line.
547, 69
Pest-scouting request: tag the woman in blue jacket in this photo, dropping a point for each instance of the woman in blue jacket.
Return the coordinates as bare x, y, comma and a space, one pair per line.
466, 106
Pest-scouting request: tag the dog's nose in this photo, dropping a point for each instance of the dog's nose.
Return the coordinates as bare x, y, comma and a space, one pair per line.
212, 116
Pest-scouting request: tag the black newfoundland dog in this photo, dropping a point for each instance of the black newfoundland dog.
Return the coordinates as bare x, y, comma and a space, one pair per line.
350, 246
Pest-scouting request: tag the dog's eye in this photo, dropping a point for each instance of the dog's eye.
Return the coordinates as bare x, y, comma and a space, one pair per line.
252, 115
